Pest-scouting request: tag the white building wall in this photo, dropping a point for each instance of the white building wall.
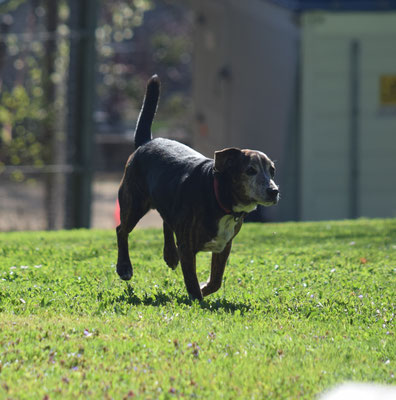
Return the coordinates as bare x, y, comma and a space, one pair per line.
326, 115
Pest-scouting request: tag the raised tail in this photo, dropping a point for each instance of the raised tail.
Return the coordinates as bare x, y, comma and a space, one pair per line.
146, 116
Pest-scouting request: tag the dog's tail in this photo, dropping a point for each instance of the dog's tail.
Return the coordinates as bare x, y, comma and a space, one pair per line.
146, 116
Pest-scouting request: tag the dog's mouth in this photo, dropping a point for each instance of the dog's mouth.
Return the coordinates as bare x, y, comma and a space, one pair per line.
269, 203
271, 199
250, 206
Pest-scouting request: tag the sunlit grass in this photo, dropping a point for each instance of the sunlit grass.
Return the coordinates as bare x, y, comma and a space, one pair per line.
303, 306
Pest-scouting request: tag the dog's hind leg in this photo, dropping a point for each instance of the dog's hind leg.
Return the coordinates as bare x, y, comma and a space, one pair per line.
132, 209
171, 255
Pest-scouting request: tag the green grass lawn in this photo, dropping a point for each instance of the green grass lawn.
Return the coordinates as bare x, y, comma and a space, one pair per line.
303, 306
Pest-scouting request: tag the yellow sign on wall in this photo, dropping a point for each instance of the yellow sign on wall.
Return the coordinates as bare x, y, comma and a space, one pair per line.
388, 90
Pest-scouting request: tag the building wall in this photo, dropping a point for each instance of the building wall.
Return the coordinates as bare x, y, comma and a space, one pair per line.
245, 79
348, 136
305, 88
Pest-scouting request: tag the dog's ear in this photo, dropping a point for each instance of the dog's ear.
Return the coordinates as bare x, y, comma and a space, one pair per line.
227, 158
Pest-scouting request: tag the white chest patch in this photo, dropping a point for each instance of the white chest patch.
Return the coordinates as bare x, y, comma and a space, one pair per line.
225, 232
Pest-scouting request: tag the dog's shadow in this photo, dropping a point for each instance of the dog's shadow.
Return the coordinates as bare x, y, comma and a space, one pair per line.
161, 298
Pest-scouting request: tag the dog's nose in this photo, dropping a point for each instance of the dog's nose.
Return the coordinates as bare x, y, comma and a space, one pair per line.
272, 192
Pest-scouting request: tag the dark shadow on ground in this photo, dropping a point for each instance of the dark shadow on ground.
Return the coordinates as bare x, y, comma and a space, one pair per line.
161, 298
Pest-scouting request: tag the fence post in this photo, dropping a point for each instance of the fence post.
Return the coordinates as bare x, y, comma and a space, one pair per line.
80, 130
354, 134
50, 131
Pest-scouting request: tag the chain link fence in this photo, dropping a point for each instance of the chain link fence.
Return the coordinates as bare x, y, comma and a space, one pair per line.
72, 76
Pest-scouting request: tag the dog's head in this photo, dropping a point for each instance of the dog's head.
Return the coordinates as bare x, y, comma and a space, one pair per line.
251, 174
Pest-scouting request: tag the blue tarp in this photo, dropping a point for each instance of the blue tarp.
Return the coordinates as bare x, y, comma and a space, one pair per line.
346, 5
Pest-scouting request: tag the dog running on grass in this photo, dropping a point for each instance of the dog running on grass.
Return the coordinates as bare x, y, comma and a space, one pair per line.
202, 201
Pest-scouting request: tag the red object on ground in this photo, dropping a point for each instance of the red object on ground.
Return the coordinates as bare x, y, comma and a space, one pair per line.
117, 219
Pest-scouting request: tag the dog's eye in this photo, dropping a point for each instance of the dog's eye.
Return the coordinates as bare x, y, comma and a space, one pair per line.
272, 171
251, 171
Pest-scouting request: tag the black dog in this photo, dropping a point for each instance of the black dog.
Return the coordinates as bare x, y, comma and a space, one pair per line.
202, 201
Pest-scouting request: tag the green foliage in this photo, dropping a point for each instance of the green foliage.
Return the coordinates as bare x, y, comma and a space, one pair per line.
26, 114
33, 96
10, 5
19, 115
171, 50
303, 306
125, 61
117, 22
29, 117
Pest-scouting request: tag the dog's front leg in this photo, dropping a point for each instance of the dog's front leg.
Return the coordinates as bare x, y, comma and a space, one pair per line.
188, 264
219, 261
171, 256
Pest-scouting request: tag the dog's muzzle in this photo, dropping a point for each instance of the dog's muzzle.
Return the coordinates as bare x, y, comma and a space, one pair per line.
272, 195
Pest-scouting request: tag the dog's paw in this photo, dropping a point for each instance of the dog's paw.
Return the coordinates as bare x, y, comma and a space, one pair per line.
125, 271
207, 288
171, 258
195, 296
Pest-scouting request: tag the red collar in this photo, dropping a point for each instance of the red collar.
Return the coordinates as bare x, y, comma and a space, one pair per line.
216, 190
